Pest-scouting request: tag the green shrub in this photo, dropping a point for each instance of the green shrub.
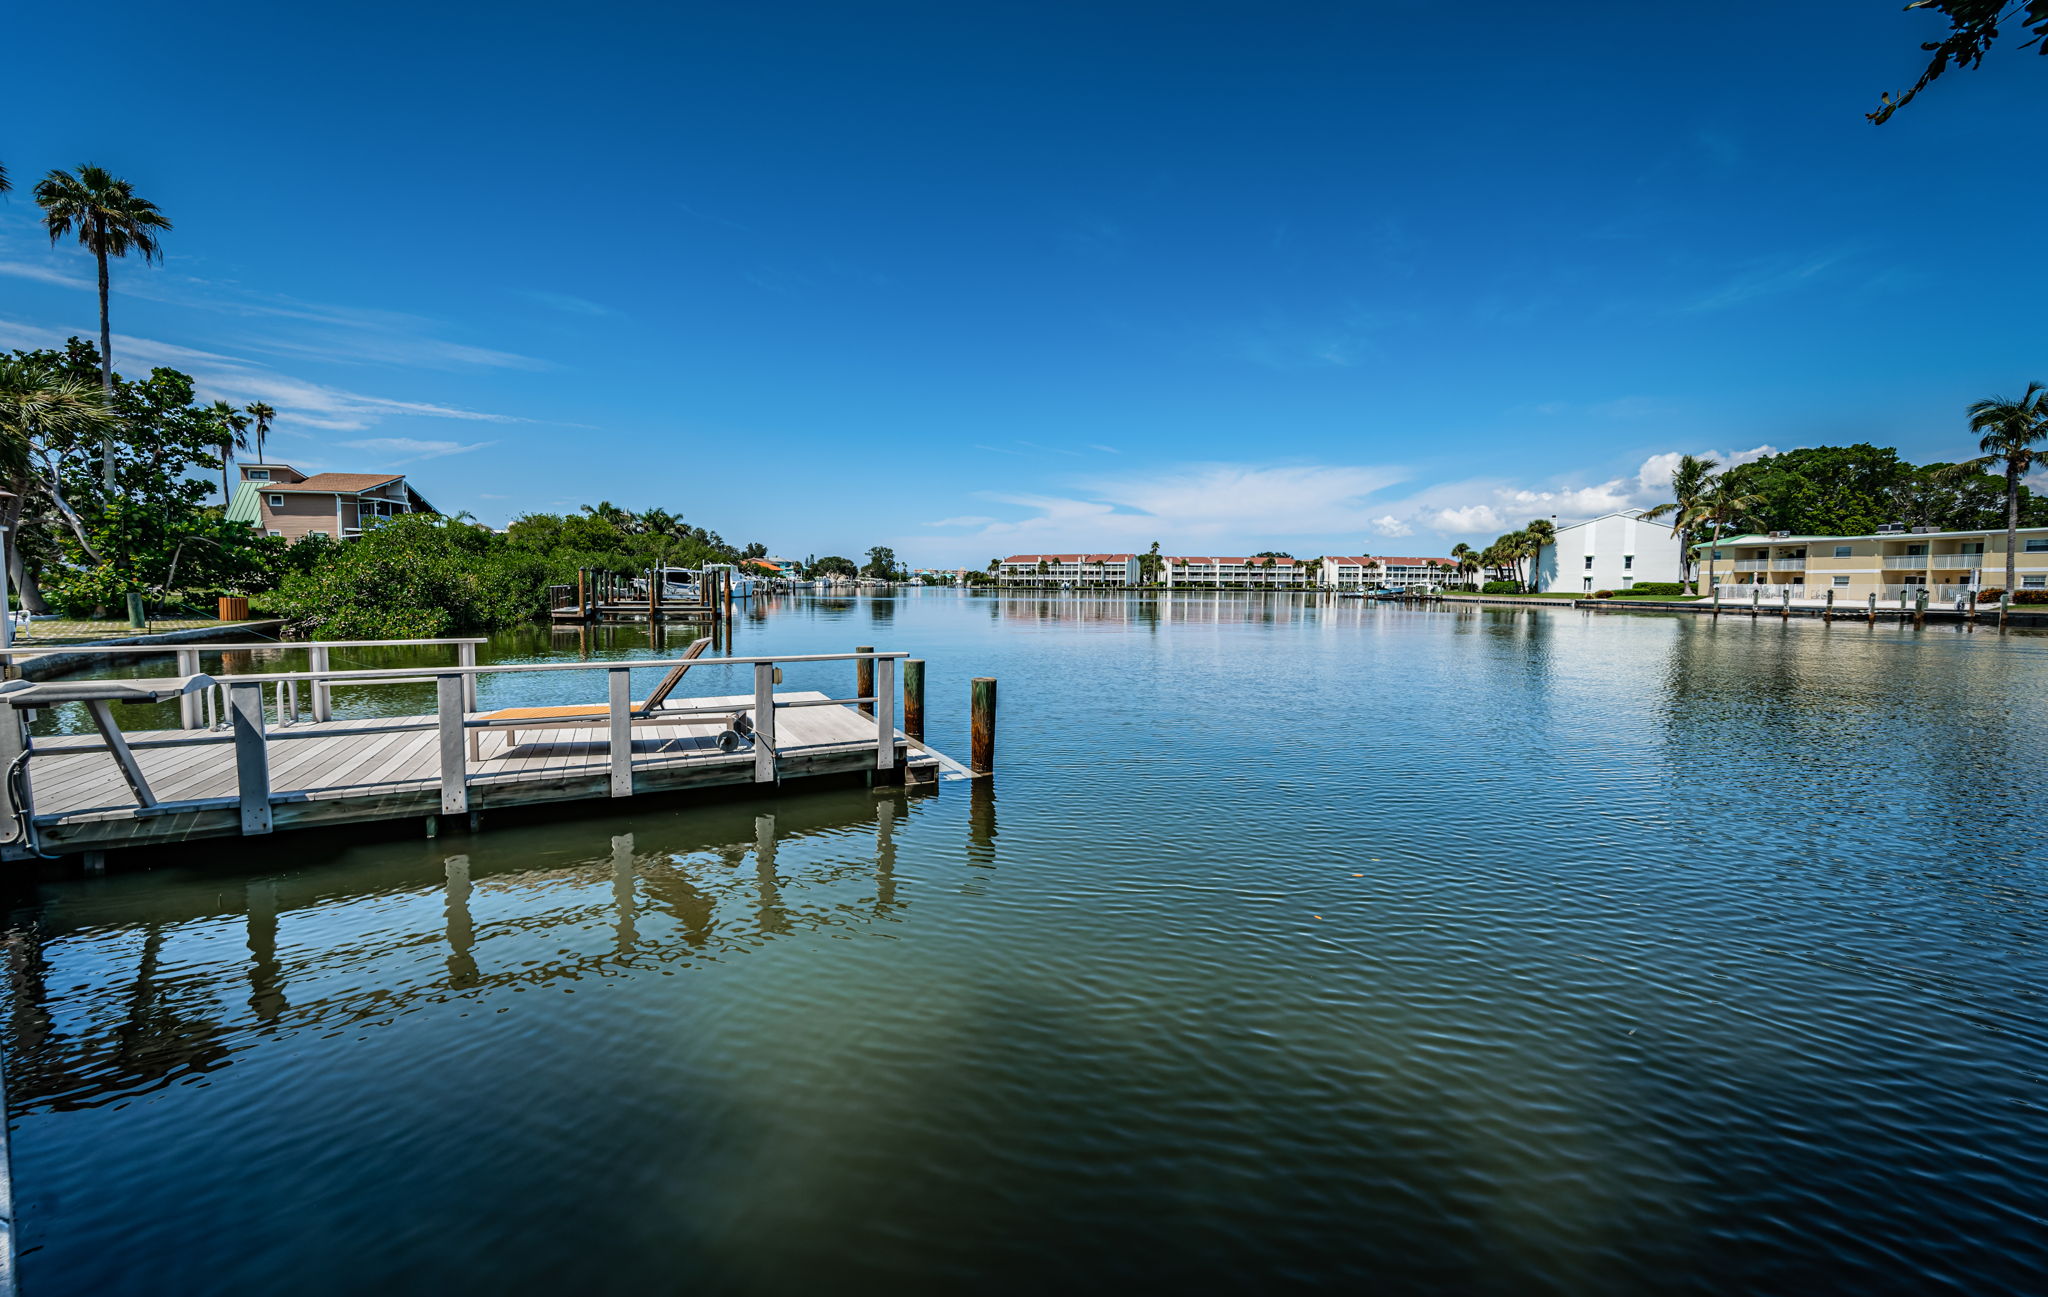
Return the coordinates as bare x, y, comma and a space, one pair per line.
1603, 594
79, 592
1501, 587
1664, 588
2030, 596
414, 576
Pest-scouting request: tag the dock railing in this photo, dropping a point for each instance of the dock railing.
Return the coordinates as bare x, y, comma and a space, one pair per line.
203, 710
458, 724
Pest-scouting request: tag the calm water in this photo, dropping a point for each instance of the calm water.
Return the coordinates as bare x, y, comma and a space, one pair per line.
1468, 951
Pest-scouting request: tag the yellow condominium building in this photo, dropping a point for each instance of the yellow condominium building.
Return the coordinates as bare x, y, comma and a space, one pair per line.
1893, 564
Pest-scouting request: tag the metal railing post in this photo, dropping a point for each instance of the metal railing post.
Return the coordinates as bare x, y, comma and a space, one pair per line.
318, 660
885, 713
449, 711
621, 731
252, 756
465, 655
764, 722
189, 705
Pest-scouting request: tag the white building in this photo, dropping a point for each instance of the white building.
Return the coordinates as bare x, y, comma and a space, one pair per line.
1215, 572
1611, 552
1078, 570
1386, 572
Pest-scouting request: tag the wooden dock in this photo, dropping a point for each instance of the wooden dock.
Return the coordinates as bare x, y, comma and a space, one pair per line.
244, 776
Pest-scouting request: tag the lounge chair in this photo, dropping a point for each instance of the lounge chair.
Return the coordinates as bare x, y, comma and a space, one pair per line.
582, 715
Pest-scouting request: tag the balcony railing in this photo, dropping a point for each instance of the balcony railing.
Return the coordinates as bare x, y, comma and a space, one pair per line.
1956, 562
1752, 565
1794, 562
1908, 562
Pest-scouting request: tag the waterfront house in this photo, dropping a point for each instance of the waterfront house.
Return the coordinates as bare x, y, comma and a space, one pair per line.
1611, 552
1077, 570
1893, 563
279, 500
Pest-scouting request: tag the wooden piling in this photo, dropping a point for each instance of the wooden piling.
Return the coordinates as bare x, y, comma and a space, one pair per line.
2004, 606
582, 597
1827, 612
864, 678
982, 709
913, 698
1785, 604
1920, 608
1872, 614
727, 577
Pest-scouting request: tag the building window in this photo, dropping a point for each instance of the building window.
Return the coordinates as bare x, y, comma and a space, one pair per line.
2037, 545
1845, 551
1841, 583
275, 532
277, 502
2034, 582
1628, 562
1719, 555
258, 475
1589, 562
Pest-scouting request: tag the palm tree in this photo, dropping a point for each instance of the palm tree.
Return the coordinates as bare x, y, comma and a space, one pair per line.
234, 436
1724, 506
111, 222
5, 183
1541, 532
262, 414
1690, 482
2011, 429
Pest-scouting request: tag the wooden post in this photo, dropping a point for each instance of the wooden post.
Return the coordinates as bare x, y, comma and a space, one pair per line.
2004, 606
1717, 598
864, 678
465, 655
913, 698
764, 722
727, 577
1785, 604
582, 598
318, 660
982, 709
1872, 616
622, 731
1970, 615
885, 713
252, 756
454, 769
653, 595
189, 705
1920, 607
1756, 598
1828, 611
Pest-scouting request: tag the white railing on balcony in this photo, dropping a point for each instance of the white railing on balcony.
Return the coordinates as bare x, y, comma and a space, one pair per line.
1743, 595
1797, 562
1909, 562
1956, 562
1752, 564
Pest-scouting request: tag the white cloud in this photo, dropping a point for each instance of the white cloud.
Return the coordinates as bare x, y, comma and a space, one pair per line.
45, 275
413, 448
1485, 509
218, 377
1391, 526
966, 520
1201, 504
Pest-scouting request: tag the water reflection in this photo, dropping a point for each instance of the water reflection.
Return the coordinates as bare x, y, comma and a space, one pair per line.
121, 985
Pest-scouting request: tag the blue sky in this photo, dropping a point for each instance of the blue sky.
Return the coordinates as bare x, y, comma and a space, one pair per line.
971, 280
